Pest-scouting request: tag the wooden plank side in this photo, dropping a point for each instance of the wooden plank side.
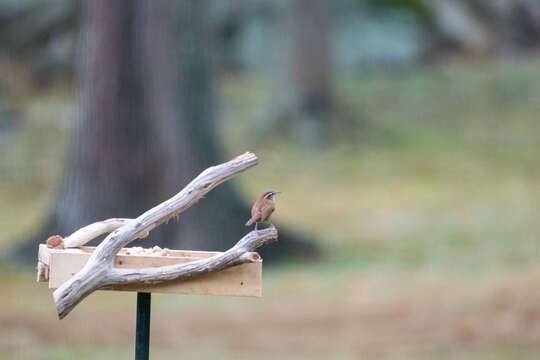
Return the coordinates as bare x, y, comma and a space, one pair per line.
43, 254
240, 280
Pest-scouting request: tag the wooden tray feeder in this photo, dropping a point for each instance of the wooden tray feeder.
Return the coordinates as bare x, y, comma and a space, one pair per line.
239, 280
75, 270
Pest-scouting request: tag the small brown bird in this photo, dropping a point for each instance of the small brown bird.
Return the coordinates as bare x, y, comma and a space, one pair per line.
263, 208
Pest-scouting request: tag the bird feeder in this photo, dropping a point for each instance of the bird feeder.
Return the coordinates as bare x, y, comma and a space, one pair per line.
75, 270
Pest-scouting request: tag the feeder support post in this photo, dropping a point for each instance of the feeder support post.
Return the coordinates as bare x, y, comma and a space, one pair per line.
142, 332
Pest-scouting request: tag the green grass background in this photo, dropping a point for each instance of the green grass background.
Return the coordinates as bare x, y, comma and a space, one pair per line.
424, 203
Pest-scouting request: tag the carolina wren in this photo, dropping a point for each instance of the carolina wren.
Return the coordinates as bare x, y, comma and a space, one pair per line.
263, 208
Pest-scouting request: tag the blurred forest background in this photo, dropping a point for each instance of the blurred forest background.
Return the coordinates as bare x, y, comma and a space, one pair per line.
403, 134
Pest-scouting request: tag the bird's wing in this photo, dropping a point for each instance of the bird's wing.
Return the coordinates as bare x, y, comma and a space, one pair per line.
267, 211
256, 211
255, 214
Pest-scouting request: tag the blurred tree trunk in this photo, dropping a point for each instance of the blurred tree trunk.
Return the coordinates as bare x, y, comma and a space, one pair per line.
146, 126
485, 27
304, 91
311, 57
125, 151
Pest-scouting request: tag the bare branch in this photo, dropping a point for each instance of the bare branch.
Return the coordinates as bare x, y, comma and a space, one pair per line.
85, 234
98, 276
92, 231
238, 254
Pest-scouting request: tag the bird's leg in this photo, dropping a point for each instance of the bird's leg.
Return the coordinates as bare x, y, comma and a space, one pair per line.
256, 224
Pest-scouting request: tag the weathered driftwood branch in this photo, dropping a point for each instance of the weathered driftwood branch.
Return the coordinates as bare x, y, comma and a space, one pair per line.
92, 231
240, 253
99, 271
86, 234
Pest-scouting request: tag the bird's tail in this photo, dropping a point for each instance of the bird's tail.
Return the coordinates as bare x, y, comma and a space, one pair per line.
249, 222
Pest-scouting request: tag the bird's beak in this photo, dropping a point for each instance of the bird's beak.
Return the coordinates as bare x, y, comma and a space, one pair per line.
277, 192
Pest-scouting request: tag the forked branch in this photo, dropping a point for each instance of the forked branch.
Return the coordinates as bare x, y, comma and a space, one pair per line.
99, 271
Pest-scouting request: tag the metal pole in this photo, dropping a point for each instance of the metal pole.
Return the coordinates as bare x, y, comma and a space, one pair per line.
142, 332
